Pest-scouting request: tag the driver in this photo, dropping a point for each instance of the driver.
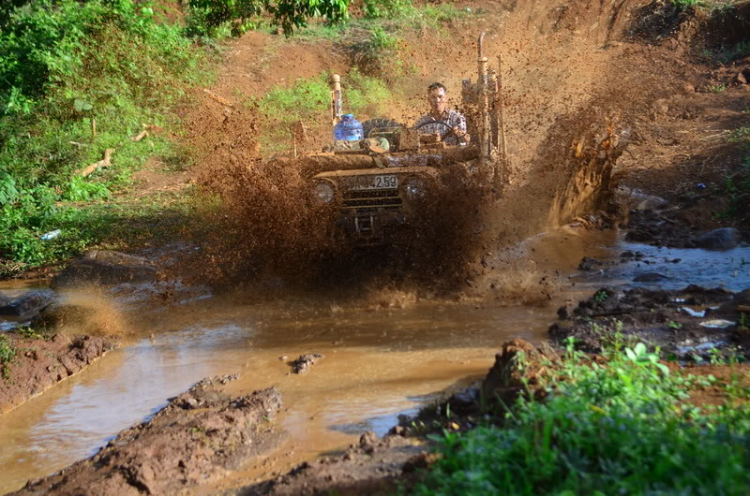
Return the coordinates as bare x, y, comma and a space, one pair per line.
441, 118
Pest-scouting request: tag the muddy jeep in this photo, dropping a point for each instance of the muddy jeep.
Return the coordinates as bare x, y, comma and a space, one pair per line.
379, 183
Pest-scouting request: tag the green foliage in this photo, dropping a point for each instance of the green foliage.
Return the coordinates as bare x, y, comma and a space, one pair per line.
728, 54
737, 185
601, 295
378, 54
241, 15
79, 189
7, 355
683, 5
740, 135
30, 333
377, 9
367, 94
623, 428
67, 66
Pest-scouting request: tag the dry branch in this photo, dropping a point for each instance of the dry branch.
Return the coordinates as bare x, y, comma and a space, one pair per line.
140, 136
105, 162
217, 98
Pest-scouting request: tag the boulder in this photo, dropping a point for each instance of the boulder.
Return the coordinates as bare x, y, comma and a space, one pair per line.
742, 301
99, 267
28, 304
636, 199
718, 239
588, 264
651, 277
63, 314
4, 300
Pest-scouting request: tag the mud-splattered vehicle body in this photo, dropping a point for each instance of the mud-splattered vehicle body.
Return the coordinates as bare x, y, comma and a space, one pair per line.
383, 183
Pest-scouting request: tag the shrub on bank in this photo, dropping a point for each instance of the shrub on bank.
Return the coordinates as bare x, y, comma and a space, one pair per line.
78, 78
624, 428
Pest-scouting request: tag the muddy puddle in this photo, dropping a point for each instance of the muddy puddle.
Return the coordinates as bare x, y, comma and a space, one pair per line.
379, 362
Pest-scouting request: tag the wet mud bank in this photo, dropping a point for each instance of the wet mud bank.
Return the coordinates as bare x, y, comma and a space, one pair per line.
686, 324
31, 365
197, 437
373, 466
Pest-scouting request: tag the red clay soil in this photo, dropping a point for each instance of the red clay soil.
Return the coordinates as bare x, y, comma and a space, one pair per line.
41, 363
194, 439
375, 466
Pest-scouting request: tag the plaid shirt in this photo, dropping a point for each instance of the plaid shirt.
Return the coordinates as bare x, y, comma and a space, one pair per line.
452, 118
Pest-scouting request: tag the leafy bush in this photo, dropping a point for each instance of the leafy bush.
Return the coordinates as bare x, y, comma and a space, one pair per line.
209, 15
617, 429
687, 4
67, 68
377, 9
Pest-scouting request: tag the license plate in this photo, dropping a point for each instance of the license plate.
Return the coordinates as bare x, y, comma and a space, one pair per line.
376, 182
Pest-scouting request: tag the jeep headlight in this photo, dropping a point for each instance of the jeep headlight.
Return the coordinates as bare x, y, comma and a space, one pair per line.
414, 187
323, 192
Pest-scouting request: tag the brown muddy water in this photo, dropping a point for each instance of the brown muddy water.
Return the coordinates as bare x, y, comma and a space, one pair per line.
382, 359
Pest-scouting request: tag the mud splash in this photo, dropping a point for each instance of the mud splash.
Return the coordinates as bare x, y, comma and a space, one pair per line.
265, 229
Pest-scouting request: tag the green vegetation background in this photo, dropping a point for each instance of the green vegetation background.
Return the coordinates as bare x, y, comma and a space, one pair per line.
64, 65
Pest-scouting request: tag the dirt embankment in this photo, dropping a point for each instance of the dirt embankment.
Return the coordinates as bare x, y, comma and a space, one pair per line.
56, 334
40, 363
685, 324
194, 439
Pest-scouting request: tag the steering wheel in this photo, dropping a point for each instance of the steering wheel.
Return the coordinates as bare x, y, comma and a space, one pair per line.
450, 132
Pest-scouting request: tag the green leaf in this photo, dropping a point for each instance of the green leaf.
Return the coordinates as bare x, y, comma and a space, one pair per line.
82, 105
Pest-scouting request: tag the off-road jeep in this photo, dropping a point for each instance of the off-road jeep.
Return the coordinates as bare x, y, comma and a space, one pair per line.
377, 187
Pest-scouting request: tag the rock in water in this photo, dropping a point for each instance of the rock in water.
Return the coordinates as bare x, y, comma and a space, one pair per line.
588, 264
304, 362
28, 304
651, 277
718, 239
105, 267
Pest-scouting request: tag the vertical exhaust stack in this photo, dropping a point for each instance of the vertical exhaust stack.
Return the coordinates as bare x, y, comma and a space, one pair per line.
337, 105
490, 123
483, 126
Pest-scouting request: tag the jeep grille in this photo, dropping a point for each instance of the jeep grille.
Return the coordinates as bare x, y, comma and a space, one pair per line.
385, 198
